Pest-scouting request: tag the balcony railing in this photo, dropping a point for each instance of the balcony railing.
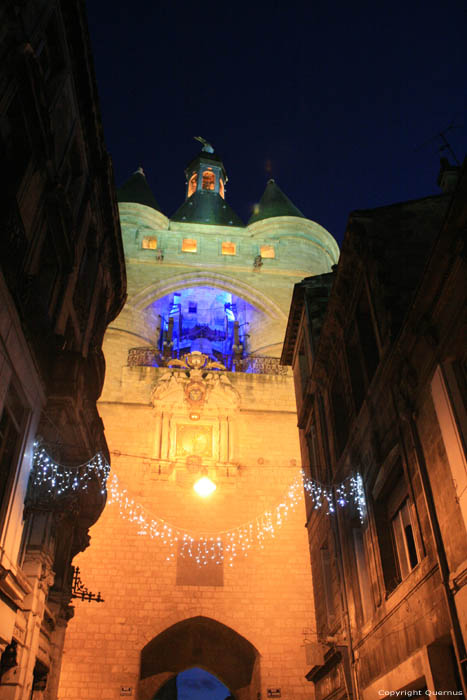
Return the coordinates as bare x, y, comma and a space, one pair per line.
150, 357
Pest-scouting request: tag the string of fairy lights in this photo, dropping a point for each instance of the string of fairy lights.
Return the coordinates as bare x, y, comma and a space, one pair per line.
59, 480
203, 548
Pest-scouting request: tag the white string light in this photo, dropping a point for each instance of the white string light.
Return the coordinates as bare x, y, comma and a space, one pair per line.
349, 492
59, 480
204, 548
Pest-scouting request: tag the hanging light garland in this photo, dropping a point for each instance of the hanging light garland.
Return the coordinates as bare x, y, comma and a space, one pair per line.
349, 492
59, 480
204, 548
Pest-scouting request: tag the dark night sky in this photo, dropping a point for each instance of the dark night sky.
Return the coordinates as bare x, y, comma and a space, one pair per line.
332, 99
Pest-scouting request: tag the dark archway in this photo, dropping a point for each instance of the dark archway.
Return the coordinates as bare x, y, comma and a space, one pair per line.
204, 643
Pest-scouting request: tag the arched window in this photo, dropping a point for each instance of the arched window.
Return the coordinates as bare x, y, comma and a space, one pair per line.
209, 180
193, 181
221, 187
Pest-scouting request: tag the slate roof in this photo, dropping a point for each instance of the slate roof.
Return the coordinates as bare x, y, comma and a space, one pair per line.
205, 207
137, 190
274, 203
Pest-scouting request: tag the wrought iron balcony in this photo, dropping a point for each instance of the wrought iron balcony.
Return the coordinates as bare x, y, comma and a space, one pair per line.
148, 356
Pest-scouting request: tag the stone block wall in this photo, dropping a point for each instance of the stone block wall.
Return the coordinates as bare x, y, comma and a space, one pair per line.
266, 596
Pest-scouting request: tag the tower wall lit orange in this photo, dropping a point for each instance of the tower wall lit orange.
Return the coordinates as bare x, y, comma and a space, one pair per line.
165, 428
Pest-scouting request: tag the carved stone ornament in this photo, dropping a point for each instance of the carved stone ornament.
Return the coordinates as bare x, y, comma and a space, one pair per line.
190, 385
196, 360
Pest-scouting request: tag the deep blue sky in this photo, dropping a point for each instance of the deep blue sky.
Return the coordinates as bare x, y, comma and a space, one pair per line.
331, 98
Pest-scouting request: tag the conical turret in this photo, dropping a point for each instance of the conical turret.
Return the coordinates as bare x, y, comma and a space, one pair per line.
274, 203
137, 191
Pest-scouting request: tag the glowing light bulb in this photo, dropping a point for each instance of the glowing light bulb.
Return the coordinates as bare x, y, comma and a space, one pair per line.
204, 486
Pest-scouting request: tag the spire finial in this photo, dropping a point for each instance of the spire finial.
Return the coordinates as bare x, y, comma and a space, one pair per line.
206, 146
140, 170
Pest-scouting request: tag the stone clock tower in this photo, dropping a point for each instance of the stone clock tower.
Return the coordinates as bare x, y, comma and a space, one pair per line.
195, 397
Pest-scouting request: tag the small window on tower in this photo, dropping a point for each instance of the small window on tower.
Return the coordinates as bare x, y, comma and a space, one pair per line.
221, 188
229, 248
209, 180
149, 243
267, 251
192, 307
189, 245
193, 181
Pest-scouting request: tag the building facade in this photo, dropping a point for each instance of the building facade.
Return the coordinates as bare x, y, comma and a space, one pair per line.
194, 392
62, 279
378, 351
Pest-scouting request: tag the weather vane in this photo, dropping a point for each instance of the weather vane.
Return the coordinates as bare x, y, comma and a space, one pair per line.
206, 145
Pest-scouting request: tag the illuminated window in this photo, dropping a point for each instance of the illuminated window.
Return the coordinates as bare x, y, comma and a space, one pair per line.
149, 243
192, 184
229, 248
209, 180
189, 245
267, 251
221, 187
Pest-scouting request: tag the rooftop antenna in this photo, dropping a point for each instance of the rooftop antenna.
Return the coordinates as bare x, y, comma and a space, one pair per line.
446, 146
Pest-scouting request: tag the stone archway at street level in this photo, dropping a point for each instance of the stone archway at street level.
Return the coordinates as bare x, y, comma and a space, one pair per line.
204, 643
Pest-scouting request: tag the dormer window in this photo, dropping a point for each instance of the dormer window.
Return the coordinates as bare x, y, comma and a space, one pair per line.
192, 184
209, 180
221, 188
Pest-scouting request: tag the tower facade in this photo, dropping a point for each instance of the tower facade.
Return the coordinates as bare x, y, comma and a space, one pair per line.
195, 395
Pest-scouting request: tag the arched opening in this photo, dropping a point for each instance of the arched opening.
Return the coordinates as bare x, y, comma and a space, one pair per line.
221, 188
203, 644
209, 180
192, 183
205, 319
193, 684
